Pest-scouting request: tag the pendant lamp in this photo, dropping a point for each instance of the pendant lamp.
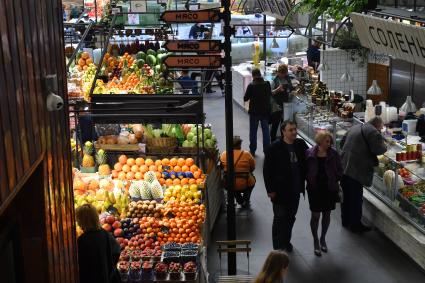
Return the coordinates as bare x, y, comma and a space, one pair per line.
374, 89
274, 43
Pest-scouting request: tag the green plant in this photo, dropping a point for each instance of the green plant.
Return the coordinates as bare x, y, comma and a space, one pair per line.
335, 9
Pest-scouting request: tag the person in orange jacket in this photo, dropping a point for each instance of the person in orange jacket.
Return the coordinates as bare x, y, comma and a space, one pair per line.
244, 165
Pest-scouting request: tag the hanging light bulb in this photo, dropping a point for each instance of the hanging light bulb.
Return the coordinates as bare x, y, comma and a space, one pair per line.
274, 43
346, 77
374, 89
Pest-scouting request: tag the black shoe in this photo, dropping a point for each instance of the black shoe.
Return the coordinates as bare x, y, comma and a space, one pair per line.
317, 251
323, 246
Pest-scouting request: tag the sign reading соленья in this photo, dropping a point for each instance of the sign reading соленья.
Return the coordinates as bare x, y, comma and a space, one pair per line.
403, 41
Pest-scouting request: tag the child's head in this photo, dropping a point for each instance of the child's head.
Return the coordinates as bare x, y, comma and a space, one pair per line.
275, 267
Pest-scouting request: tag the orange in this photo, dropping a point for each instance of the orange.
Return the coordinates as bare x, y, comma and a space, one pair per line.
89, 61
131, 161
138, 176
192, 181
134, 168
173, 161
126, 168
149, 162
140, 161
181, 162
130, 176
143, 169
169, 182
85, 55
158, 162
176, 182
196, 174
121, 176
81, 62
114, 174
177, 168
118, 166
153, 168
122, 159
189, 161
184, 181
185, 168
158, 175
165, 162
193, 168
85, 67
161, 181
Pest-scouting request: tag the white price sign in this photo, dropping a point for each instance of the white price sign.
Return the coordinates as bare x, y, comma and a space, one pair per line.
138, 6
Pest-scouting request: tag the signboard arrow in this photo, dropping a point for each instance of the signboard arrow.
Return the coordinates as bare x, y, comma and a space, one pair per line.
199, 61
192, 45
185, 16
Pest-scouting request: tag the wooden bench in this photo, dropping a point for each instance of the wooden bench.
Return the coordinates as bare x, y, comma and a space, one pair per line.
234, 247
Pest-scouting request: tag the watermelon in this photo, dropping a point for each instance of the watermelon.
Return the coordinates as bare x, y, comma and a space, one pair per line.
140, 63
157, 69
161, 51
151, 52
141, 55
161, 58
151, 60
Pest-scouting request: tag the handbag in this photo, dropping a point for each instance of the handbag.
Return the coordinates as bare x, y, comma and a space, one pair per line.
339, 195
375, 158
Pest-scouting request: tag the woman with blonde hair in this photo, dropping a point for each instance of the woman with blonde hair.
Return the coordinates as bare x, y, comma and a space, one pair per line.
274, 269
324, 171
98, 251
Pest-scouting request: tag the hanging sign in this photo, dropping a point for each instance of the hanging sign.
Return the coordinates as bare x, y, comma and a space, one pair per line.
403, 41
199, 61
192, 45
187, 16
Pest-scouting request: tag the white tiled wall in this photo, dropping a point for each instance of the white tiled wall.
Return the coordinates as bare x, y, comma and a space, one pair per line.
338, 62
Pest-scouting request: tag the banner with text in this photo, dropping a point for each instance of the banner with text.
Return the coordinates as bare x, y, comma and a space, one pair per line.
403, 41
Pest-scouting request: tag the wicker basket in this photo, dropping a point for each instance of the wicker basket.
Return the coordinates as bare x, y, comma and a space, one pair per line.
189, 150
159, 150
161, 142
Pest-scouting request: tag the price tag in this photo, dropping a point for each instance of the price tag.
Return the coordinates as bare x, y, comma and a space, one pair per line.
133, 19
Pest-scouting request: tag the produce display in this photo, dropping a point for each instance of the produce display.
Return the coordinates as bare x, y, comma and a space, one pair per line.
156, 220
81, 76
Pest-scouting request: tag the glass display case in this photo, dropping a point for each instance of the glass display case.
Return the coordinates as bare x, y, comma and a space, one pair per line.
399, 180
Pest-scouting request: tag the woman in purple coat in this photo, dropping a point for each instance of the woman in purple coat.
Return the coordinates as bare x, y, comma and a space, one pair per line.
324, 171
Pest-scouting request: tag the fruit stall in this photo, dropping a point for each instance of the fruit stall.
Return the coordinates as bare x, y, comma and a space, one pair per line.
146, 160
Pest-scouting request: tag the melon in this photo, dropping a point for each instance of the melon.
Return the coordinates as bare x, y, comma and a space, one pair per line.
141, 55
151, 60
151, 52
140, 63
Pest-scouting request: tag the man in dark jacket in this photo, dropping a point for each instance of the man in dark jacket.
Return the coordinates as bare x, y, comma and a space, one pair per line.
284, 176
258, 94
360, 148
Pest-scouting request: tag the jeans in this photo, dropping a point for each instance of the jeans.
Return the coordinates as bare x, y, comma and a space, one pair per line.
283, 222
275, 119
253, 127
351, 206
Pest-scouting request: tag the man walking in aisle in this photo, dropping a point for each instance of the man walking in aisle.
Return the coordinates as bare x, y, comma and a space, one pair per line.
284, 176
360, 148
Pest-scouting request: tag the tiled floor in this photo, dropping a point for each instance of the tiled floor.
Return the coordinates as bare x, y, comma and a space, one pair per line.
351, 258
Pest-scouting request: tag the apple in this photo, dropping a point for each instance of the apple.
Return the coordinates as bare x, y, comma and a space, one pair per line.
116, 225
118, 232
102, 220
110, 219
107, 227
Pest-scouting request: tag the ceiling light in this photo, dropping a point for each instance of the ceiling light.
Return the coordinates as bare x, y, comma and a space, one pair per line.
374, 89
346, 77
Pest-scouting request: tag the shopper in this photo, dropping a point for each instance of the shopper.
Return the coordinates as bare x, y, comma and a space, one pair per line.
98, 251
196, 31
361, 146
284, 176
274, 269
323, 174
187, 83
244, 29
282, 86
313, 53
258, 93
244, 165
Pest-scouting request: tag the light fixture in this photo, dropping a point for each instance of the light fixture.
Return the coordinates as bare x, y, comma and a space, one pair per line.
374, 89
346, 77
274, 43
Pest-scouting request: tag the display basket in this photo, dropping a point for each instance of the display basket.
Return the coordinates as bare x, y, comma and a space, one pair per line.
157, 150
189, 150
117, 147
166, 142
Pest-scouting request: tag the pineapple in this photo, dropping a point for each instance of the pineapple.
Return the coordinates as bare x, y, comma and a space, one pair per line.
156, 190
135, 189
88, 160
149, 177
101, 159
145, 190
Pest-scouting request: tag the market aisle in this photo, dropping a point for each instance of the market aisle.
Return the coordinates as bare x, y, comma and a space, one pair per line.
351, 258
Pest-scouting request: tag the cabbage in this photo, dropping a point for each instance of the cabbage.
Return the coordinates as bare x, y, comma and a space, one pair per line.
207, 133
190, 136
209, 143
